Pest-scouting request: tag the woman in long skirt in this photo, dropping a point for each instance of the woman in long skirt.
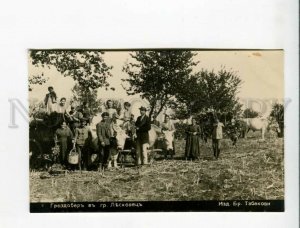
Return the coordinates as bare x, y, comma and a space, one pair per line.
192, 149
63, 136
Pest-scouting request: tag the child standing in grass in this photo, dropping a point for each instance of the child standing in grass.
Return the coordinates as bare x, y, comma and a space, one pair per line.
217, 135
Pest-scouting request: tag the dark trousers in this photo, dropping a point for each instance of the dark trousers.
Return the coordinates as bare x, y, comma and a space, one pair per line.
104, 155
83, 156
216, 147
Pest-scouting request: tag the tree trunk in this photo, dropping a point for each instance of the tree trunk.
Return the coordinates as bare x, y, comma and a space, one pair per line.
152, 109
160, 109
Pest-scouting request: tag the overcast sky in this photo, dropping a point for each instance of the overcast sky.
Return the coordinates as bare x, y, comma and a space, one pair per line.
260, 71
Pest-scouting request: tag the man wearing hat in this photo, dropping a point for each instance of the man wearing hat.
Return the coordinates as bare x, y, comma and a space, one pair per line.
143, 127
104, 134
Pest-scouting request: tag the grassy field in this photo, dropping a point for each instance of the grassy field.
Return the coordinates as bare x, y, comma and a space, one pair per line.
253, 170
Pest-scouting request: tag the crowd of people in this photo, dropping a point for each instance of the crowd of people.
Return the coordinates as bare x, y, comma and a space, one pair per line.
76, 127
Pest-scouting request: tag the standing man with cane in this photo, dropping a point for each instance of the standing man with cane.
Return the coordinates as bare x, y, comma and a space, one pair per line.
143, 126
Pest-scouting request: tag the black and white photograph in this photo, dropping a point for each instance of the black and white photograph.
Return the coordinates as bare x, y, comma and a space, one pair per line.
156, 130
149, 113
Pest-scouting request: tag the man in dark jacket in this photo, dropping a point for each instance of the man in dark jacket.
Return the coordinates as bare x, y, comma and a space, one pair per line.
143, 125
104, 135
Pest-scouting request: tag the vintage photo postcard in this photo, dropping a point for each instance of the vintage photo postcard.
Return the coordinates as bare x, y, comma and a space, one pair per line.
156, 130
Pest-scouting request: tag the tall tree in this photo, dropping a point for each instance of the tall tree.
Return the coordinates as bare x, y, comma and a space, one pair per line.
278, 114
249, 113
36, 80
87, 68
156, 75
81, 95
210, 91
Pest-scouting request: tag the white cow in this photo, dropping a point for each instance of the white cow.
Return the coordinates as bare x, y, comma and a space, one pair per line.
259, 124
121, 136
168, 137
